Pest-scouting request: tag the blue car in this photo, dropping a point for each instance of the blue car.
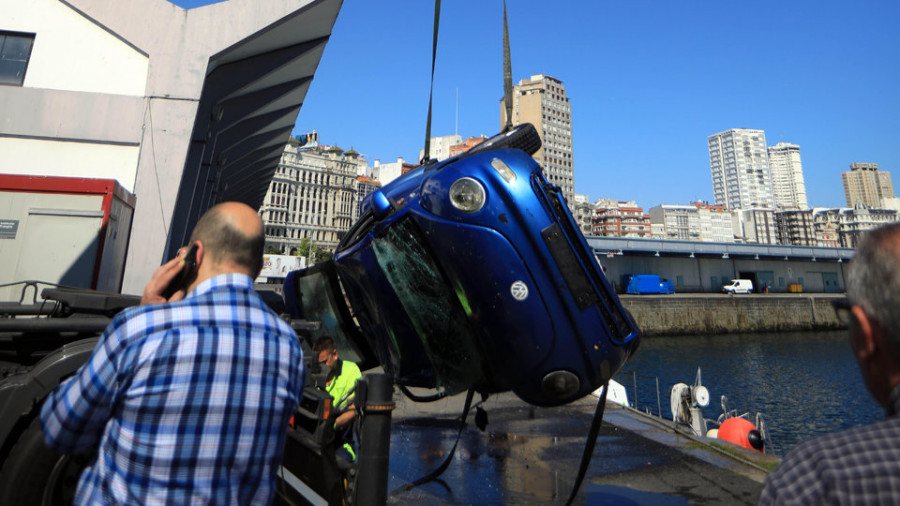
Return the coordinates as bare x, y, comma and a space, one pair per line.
472, 273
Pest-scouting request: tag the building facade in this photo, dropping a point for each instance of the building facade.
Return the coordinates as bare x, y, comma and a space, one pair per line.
739, 166
364, 186
865, 183
696, 222
312, 195
716, 224
180, 112
542, 101
788, 186
439, 147
466, 145
621, 219
755, 226
827, 223
796, 228
855, 222
583, 212
384, 173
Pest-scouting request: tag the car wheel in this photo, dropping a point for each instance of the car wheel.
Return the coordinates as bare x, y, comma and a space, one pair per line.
35, 474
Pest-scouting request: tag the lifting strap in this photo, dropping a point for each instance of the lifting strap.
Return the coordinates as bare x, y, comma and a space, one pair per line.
426, 156
589, 445
446, 463
507, 74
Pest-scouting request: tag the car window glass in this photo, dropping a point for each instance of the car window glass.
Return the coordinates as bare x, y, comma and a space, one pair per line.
318, 307
432, 307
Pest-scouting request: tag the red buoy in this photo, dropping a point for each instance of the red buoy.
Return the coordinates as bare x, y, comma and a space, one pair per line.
741, 432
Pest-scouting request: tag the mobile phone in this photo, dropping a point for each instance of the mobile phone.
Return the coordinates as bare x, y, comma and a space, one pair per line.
187, 273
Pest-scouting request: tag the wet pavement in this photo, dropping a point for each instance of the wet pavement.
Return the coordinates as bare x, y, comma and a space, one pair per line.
530, 455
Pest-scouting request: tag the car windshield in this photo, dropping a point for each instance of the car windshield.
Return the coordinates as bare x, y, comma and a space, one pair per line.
435, 310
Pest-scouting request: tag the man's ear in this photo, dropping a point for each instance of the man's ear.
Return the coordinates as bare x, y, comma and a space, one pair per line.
201, 253
866, 340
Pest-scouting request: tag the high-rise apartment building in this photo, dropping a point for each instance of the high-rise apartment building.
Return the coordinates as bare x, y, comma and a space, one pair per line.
312, 194
542, 101
788, 186
865, 183
740, 170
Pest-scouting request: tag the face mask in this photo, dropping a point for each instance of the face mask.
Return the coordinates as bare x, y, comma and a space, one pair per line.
326, 371
318, 374
321, 377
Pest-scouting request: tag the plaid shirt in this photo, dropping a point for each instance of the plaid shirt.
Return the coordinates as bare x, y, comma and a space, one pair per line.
855, 466
188, 401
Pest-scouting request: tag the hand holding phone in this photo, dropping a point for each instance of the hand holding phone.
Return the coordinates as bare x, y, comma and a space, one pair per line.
186, 275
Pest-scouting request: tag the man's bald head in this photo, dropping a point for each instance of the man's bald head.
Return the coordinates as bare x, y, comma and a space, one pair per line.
232, 233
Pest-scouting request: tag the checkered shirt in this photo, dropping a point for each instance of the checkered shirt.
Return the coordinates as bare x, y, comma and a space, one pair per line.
859, 466
187, 402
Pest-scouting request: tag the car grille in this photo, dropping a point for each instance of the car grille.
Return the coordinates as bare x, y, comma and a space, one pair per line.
578, 266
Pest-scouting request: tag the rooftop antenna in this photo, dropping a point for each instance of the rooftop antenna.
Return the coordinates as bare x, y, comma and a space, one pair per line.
456, 127
507, 73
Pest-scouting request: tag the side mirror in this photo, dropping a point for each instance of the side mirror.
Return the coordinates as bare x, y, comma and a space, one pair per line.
381, 206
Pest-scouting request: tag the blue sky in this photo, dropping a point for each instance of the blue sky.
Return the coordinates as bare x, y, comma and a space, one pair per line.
648, 82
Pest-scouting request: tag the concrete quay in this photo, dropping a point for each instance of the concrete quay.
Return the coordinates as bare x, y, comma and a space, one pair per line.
677, 314
531, 455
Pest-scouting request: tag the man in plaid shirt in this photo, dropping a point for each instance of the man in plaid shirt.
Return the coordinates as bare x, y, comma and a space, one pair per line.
187, 399
859, 465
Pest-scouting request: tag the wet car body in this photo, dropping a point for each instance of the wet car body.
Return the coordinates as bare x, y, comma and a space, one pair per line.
507, 296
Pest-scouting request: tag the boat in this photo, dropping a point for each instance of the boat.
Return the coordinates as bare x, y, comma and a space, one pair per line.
687, 403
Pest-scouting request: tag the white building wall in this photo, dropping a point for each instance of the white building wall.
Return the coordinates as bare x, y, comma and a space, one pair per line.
384, 173
440, 147
69, 159
73, 53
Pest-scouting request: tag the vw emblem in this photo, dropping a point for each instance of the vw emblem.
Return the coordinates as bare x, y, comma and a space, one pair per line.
519, 290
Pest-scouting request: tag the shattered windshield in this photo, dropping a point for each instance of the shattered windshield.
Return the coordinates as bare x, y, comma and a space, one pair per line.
432, 307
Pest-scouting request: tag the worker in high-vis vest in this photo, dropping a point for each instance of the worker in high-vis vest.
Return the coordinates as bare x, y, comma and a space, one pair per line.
340, 380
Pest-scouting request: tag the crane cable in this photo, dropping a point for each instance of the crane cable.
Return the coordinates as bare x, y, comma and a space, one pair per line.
597, 420
507, 74
426, 155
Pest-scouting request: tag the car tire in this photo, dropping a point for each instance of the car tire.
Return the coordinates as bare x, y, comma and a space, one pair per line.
34, 474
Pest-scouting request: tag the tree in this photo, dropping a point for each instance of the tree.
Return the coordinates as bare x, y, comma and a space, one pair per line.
304, 248
311, 252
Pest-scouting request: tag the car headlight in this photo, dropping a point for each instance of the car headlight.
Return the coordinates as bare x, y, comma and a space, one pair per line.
467, 195
560, 384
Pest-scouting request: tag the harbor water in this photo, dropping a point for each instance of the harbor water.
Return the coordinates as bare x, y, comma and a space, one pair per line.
804, 383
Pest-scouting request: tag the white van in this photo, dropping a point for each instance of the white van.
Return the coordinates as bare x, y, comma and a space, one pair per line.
739, 286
